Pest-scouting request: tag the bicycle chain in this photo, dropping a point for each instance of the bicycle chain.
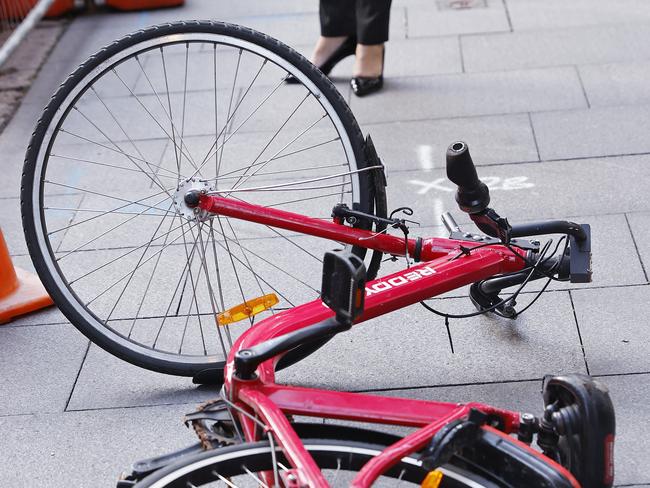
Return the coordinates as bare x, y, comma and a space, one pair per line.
207, 437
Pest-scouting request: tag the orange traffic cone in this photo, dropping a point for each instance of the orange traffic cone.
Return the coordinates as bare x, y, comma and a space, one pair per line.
20, 291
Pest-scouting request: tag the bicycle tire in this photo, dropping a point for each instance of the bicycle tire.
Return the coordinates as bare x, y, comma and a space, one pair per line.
244, 459
75, 302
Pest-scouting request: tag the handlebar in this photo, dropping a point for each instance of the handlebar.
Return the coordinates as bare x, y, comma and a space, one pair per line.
473, 197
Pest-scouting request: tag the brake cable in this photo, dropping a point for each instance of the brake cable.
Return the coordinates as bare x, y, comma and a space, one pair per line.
492, 308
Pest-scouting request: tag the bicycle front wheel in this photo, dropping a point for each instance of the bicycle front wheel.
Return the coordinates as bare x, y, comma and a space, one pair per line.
181, 106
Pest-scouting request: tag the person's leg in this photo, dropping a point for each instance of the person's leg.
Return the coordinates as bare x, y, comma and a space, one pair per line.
372, 19
337, 23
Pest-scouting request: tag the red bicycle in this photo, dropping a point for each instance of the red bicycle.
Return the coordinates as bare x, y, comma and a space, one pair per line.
119, 225
454, 444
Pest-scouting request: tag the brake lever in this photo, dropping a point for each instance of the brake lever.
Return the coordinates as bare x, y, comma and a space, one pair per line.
493, 224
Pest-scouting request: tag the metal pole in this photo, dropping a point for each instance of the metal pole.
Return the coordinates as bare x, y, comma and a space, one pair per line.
25, 26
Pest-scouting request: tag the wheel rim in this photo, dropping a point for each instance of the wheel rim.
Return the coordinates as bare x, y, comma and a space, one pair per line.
339, 463
90, 228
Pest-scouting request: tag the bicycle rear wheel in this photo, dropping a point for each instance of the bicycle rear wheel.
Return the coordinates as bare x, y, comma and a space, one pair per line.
339, 461
187, 105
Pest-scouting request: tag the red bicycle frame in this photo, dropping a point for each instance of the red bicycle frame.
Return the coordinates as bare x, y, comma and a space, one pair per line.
445, 266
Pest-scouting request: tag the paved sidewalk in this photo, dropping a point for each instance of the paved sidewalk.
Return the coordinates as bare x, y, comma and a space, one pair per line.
552, 97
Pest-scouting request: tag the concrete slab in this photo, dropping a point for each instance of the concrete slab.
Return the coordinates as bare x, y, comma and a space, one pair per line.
39, 367
556, 47
435, 56
108, 382
422, 145
445, 96
630, 397
524, 191
486, 349
640, 228
556, 14
88, 448
615, 261
599, 131
424, 21
616, 84
616, 338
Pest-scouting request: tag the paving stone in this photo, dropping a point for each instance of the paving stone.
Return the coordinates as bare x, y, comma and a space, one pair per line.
48, 81
524, 396
613, 325
88, 448
39, 366
630, 397
556, 47
423, 144
417, 98
614, 257
434, 56
640, 226
108, 382
409, 348
557, 189
557, 14
616, 84
425, 21
599, 131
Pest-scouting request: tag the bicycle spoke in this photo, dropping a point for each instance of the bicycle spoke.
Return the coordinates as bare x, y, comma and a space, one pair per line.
94, 270
102, 211
298, 182
180, 149
209, 285
309, 198
215, 147
216, 111
171, 301
144, 252
146, 290
129, 203
169, 103
246, 176
141, 264
153, 180
229, 117
187, 54
193, 299
117, 147
243, 168
104, 233
257, 276
88, 161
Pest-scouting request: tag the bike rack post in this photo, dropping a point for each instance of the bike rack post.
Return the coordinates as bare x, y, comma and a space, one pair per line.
21, 292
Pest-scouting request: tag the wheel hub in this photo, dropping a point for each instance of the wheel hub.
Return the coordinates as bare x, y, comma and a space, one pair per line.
186, 193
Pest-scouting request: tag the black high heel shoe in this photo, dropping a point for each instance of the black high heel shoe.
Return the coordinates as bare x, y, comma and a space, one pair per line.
365, 85
346, 49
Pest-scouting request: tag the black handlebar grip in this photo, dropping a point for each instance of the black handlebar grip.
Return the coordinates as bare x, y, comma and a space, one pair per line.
460, 167
473, 195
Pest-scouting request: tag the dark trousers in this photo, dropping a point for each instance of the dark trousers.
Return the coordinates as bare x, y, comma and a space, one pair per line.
367, 19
